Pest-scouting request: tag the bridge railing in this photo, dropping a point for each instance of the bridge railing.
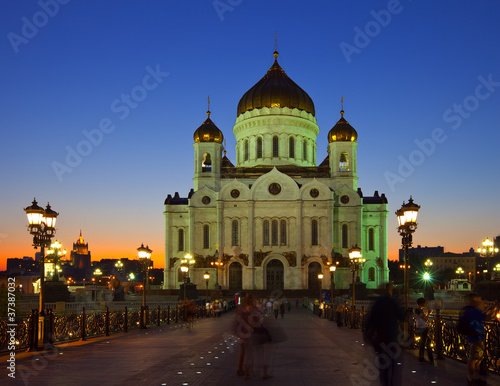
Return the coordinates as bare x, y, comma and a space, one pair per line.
83, 324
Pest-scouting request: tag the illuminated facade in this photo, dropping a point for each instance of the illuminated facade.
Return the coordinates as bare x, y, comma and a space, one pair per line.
277, 218
80, 255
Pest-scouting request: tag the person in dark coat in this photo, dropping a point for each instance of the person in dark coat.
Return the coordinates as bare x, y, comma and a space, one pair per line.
282, 309
382, 331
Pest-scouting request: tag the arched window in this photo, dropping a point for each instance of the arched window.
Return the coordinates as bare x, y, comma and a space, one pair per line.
345, 236
181, 239
234, 233
274, 232
206, 165
343, 163
291, 147
371, 239
275, 147
314, 232
371, 274
283, 232
259, 147
304, 150
265, 233
206, 237
246, 149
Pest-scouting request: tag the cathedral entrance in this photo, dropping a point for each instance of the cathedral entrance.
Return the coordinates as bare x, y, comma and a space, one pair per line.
313, 282
235, 276
275, 275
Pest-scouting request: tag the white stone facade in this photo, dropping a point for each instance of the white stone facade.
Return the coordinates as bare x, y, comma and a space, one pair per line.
275, 219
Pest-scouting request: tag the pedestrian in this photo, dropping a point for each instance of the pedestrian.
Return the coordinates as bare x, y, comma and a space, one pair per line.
296, 302
269, 307
241, 329
320, 309
282, 309
276, 308
422, 326
474, 317
338, 315
381, 331
289, 306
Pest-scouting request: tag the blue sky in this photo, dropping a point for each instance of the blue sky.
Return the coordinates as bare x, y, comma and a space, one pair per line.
421, 85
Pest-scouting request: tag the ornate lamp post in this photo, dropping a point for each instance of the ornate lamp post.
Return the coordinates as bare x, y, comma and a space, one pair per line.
185, 270
356, 261
42, 223
459, 272
217, 264
488, 250
206, 276
332, 285
144, 254
320, 281
407, 220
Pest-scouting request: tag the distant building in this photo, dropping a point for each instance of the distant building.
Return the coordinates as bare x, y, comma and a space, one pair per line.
80, 255
21, 266
454, 260
424, 252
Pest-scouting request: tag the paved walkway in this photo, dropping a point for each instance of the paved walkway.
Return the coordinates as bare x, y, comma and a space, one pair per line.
316, 353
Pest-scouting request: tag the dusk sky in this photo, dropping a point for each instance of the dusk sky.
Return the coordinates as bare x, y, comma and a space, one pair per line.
100, 100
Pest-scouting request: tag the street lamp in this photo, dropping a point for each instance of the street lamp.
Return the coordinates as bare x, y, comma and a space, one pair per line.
459, 272
217, 264
407, 220
488, 250
42, 223
206, 276
185, 270
144, 254
332, 285
356, 261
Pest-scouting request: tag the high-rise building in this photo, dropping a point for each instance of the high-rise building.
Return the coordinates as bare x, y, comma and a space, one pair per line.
80, 255
277, 218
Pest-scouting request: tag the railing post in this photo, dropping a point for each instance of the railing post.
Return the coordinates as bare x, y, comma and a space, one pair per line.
362, 318
125, 320
177, 314
106, 322
146, 310
33, 333
158, 315
50, 334
82, 327
438, 335
168, 314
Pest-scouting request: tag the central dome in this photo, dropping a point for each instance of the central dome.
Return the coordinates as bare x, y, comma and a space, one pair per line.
275, 89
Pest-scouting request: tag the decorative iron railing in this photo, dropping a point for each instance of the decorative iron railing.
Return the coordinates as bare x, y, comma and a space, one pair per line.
65, 327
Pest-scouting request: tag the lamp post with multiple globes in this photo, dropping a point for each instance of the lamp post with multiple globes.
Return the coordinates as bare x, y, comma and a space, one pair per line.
356, 261
333, 268
407, 220
42, 223
144, 254
206, 276
488, 250
185, 270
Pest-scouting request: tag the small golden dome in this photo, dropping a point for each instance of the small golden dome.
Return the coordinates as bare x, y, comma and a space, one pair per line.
342, 131
275, 89
208, 132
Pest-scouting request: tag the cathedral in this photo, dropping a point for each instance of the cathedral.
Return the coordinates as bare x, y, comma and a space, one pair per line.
275, 218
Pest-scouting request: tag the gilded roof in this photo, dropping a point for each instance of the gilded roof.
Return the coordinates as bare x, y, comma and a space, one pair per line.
275, 89
208, 132
342, 131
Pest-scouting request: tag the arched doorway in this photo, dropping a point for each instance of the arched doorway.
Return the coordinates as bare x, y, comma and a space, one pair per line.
235, 276
275, 275
312, 276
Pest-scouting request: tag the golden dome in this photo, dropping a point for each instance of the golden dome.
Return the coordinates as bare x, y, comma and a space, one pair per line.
342, 131
275, 89
208, 132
